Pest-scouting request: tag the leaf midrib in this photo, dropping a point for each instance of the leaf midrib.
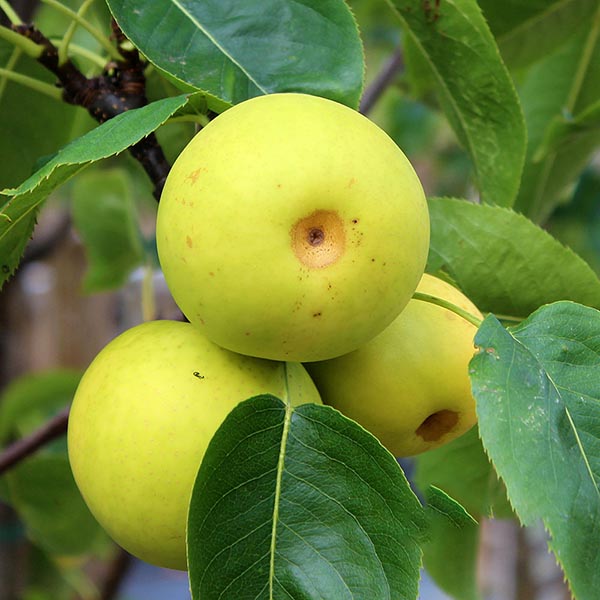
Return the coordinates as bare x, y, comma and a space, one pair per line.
219, 46
566, 409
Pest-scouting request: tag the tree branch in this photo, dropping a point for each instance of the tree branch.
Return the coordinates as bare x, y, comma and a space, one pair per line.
121, 87
387, 75
21, 449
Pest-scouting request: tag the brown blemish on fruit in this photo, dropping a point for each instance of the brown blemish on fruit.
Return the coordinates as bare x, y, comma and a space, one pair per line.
317, 314
193, 176
437, 425
188, 241
351, 182
319, 240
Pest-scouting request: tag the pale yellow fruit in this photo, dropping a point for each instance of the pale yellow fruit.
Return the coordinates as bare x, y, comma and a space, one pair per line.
141, 421
292, 228
410, 385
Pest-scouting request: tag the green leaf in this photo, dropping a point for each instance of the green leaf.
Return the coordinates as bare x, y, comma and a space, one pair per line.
565, 83
538, 402
41, 488
238, 50
504, 262
31, 123
462, 469
104, 214
527, 30
451, 553
565, 130
577, 223
475, 89
44, 494
29, 401
301, 503
17, 212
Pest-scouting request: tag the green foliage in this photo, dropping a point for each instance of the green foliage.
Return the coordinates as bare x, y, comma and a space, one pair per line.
19, 208
104, 215
538, 403
504, 262
462, 470
450, 554
577, 223
29, 401
301, 503
271, 46
558, 94
41, 489
40, 123
527, 30
473, 85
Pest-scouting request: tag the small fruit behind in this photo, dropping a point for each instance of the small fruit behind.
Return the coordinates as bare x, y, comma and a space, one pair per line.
292, 228
410, 385
142, 418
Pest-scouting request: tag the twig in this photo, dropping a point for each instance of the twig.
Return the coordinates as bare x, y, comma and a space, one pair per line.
26, 446
96, 33
465, 314
389, 71
63, 48
31, 82
10, 12
120, 88
117, 570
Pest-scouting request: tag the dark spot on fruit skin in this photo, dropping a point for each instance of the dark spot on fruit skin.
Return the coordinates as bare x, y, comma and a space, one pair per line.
197, 374
436, 425
247, 333
317, 314
5, 269
316, 236
189, 242
372, 260
355, 221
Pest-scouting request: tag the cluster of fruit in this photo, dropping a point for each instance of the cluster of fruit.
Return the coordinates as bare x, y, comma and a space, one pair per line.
291, 230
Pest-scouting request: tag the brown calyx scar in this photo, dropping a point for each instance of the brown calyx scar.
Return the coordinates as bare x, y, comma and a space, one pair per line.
436, 425
319, 239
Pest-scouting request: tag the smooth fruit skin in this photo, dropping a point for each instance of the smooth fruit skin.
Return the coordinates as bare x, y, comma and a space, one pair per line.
292, 228
410, 385
140, 423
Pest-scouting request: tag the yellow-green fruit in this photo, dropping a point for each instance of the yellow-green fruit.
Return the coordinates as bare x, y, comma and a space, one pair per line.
140, 423
292, 228
410, 385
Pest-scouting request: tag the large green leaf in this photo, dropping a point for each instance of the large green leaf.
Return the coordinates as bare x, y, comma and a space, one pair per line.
451, 552
474, 87
237, 50
19, 208
104, 214
527, 30
504, 262
561, 87
538, 402
462, 469
301, 503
